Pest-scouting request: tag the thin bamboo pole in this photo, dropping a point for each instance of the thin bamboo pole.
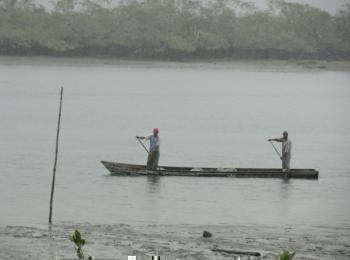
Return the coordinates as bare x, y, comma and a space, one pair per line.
138, 139
55, 163
279, 155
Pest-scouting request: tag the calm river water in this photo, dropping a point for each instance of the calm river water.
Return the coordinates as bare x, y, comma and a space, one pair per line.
208, 115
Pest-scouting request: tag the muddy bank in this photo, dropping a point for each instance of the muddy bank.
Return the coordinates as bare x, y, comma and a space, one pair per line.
226, 64
174, 242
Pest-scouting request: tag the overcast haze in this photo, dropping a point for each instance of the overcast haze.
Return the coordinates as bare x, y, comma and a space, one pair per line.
329, 5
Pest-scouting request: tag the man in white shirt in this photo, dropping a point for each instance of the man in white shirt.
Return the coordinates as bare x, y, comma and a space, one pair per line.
286, 150
154, 151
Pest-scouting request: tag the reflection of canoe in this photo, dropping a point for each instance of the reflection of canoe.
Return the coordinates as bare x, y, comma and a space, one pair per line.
133, 169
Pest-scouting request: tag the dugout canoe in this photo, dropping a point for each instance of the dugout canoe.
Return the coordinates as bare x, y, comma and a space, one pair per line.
125, 169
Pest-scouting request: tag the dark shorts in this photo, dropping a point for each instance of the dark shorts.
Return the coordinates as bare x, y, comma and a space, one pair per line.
286, 163
152, 160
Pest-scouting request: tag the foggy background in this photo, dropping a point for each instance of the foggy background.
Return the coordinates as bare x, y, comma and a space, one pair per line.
331, 6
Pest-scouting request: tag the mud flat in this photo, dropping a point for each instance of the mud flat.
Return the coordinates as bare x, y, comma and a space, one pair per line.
174, 242
283, 65
228, 64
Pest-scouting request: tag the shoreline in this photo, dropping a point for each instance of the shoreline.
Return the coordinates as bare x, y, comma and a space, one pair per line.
174, 241
230, 64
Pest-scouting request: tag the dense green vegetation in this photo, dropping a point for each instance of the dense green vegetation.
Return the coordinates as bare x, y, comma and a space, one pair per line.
173, 29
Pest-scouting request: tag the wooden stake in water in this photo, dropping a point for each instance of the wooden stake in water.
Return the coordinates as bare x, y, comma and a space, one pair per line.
56, 153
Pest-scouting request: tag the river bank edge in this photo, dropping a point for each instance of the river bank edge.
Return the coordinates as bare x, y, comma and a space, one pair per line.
230, 64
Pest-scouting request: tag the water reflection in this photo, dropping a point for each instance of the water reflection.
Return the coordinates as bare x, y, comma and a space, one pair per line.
52, 244
153, 184
285, 188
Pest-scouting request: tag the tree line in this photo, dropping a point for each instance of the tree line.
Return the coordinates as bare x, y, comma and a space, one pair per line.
174, 29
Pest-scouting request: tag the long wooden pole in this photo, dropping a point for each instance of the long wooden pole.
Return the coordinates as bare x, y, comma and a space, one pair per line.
142, 145
56, 153
275, 149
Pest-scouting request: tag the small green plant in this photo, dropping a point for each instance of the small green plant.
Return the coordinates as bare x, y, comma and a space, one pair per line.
79, 243
286, 255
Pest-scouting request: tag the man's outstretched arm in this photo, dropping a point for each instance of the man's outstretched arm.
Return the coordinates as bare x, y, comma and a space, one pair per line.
276, 139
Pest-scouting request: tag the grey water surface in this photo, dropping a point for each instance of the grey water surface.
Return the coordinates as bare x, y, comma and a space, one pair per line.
208, 115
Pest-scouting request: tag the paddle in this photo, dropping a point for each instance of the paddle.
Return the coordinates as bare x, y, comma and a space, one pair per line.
142, 144
149, 154
286, 174
279, 156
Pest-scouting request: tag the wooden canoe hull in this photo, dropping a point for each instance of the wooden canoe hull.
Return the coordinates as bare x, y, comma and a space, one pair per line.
124, 169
